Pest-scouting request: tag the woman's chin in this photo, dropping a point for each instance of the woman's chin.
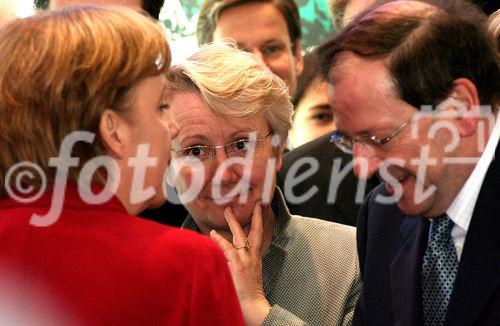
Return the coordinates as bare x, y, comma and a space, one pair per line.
242, 213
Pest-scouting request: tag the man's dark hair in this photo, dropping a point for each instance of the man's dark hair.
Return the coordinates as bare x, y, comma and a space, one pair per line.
211, 9
424, 50
152, 7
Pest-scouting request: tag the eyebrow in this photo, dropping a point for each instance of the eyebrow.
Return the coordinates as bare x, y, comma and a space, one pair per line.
321, 106
204, 138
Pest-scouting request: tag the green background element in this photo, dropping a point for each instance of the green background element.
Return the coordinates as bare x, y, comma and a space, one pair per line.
316, 23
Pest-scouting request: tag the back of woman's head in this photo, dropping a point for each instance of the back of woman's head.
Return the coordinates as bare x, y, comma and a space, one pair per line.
61, 69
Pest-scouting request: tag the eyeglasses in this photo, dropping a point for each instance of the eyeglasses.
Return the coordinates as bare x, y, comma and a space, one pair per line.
346, 143
241, 148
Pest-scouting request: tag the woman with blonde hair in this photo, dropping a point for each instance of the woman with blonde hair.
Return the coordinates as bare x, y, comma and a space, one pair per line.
84, 144
234, 115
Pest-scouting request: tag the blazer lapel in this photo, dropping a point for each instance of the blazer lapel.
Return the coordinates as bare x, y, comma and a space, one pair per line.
478, 275
405, 272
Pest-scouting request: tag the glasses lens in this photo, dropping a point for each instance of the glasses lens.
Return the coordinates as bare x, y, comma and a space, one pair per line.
193, 153
244, 148
344, 143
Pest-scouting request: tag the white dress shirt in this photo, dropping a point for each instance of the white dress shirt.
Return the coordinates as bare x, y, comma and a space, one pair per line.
460, 211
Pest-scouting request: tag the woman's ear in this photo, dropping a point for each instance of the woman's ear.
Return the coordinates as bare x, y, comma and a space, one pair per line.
465, 95
279, 149
114, 133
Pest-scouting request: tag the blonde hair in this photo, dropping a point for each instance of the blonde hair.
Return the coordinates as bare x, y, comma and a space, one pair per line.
234, 83
61, 69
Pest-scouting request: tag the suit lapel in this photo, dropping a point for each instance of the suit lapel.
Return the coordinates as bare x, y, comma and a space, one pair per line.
478, 274
405, 272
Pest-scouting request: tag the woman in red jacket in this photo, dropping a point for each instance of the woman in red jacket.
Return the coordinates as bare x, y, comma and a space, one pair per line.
84, 144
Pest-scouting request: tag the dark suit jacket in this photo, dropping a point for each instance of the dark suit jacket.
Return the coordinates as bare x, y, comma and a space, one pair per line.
391, 246
344, 209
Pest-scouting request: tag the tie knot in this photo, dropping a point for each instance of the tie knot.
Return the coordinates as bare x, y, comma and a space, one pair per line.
441, 229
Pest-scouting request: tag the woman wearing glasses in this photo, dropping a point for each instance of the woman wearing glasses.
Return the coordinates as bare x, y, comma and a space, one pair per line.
234, 116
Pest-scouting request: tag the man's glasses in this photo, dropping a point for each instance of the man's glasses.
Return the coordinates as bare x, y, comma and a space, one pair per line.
242, 148
346, 143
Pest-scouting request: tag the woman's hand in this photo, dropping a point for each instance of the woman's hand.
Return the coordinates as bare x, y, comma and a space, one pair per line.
245, 262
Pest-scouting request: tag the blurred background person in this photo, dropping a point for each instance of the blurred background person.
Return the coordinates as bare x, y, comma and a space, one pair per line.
234, 116
312, 116
270, 29
95, 71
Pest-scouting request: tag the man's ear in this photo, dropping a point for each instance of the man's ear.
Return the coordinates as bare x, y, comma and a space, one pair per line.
114, 133
299, 59
466, 99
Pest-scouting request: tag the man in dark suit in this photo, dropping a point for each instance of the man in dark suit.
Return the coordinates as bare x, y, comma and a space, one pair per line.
416, 91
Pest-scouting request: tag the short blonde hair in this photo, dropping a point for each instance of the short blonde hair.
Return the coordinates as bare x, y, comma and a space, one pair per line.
234, 83
61, 69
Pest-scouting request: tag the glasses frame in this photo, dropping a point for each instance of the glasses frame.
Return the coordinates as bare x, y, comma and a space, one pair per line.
212, 149
346, 143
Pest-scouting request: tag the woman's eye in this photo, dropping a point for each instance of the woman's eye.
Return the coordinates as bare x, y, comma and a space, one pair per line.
241, 144
163, 107
193, 151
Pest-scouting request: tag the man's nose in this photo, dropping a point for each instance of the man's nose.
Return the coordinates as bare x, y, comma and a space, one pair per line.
259, 55
366, 161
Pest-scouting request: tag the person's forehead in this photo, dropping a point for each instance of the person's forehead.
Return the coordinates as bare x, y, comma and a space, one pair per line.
253, 21
358, 86
189, 109
61, 3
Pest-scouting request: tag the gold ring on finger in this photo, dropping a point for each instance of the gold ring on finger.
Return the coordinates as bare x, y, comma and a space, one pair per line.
246, 245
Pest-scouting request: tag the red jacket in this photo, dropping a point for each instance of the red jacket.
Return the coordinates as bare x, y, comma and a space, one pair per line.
98, 265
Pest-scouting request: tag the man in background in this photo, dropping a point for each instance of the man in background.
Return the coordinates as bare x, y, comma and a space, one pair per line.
271, 30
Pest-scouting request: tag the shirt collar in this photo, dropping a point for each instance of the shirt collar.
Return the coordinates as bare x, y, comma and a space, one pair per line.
461, 209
